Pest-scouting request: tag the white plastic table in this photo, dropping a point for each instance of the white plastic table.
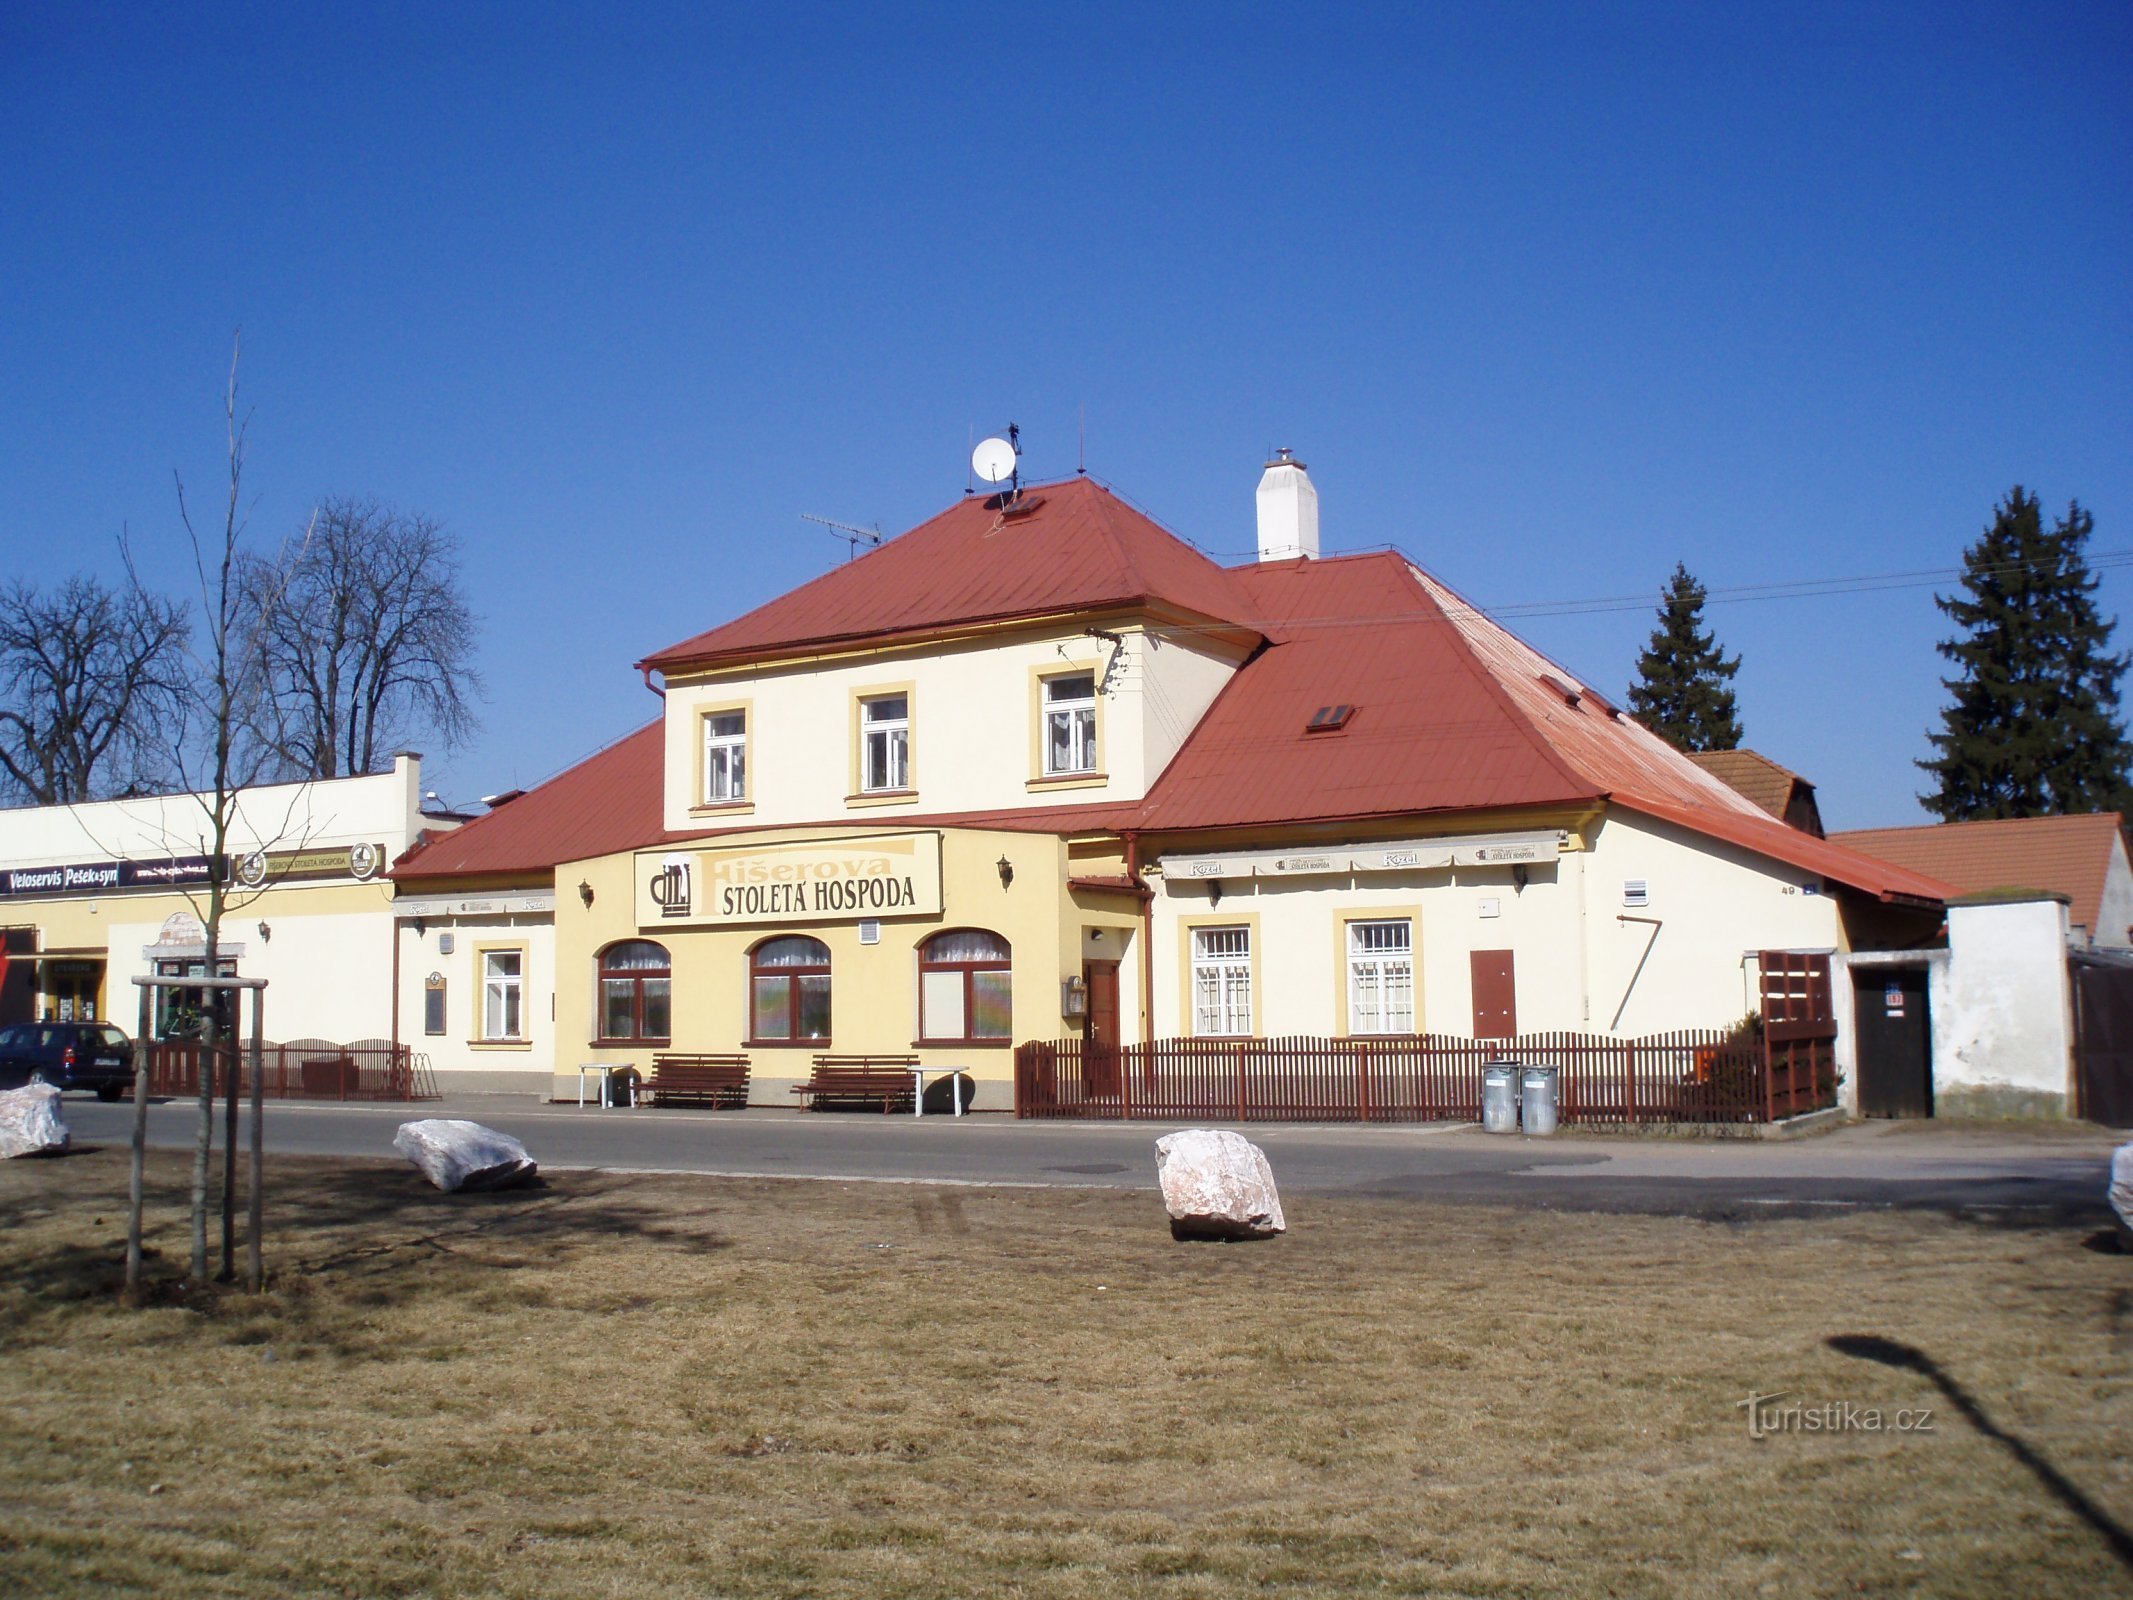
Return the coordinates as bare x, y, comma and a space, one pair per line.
606, 1072
918, 1087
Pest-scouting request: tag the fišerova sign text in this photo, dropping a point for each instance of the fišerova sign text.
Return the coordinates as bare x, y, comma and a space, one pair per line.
803, 880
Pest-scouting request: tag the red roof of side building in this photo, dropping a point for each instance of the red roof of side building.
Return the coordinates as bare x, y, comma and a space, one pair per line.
2069, 855
1080, 548
612, 800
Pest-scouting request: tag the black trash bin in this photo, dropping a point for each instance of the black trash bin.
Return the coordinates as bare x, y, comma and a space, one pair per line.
622, 1087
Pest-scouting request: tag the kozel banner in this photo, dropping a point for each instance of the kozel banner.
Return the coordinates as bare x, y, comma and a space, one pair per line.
810, 880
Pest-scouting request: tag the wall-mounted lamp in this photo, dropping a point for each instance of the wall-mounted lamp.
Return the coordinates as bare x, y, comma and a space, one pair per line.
1214, 892
418, 927
266, 934
1073, 997
1096, 936
585, 893
1519, 876
1007, 871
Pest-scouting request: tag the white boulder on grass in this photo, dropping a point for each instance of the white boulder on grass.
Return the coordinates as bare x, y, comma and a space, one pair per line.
456, 1155
1217, 1185
2122, 1193
30, 1123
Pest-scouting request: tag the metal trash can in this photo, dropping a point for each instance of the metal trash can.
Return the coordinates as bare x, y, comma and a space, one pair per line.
1499, 1097
1536, 1100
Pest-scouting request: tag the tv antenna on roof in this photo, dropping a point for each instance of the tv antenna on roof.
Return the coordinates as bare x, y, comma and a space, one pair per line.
850, 532
999, 460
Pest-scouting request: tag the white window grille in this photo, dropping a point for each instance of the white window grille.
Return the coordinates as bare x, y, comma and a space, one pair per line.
1381, 977
885, 760
725, 757
1070, 724
1222, 981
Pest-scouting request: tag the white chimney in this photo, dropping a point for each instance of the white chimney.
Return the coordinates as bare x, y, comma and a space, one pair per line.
1288, 509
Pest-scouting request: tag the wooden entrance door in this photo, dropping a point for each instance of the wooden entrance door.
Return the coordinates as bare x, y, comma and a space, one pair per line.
1495, 995
1895, 1042
2103, 1043
1099, 1028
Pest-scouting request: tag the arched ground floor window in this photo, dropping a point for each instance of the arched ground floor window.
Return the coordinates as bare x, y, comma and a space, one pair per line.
636, 991
964, 987
789, 991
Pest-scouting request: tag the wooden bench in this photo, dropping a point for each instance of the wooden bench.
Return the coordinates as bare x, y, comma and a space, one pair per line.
860, 1081
719, 1082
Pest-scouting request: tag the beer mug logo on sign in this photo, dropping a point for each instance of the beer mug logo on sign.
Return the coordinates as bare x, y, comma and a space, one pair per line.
670, 887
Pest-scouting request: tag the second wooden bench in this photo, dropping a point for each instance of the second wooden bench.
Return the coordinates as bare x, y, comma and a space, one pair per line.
860, 1081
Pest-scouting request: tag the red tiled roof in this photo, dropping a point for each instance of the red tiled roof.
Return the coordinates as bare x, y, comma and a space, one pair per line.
1754, 775
1081, 548
1453, 713
613, 800
2070, 855
1431, 729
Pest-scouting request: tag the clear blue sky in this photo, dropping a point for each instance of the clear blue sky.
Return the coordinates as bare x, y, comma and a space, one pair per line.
1550, 299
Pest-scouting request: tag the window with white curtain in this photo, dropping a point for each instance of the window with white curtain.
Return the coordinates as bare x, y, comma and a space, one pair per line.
1070, 724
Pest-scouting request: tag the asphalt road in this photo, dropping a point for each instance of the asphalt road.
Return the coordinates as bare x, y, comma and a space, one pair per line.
1984, 1172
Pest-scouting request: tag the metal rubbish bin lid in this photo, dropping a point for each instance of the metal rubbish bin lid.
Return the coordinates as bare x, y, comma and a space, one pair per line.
1500, 1072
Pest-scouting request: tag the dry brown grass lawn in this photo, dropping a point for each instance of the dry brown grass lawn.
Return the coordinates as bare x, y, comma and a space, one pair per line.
661, 1386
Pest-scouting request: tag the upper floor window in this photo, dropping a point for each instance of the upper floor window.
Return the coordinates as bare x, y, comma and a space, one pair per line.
1070, 724
1222, 981
964, 986
789, 990
725, 757
636, 991
502, 981
885, 743
1381, 977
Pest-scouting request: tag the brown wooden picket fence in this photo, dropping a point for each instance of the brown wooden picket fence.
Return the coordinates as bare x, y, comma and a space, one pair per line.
302, 1069
1694, 1075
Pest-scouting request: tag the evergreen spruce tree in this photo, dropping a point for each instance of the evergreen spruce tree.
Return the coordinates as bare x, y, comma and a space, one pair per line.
1683, 692
2034, 729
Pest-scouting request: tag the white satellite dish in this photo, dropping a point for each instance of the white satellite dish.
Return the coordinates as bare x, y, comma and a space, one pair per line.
993, 460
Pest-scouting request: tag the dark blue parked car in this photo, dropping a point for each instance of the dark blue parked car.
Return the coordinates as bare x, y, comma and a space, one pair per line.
67, 1055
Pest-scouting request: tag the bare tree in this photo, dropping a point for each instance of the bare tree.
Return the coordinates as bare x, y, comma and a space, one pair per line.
371, 645
218, 758
91, 683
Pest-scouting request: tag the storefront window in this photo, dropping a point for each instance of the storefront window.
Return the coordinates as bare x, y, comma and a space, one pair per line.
183, 1013
789, 990
964, 986
636, 987
1222, 981
1381, 977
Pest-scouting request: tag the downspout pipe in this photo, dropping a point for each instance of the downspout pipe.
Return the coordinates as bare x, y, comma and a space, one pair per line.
660, 689
1147, 899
